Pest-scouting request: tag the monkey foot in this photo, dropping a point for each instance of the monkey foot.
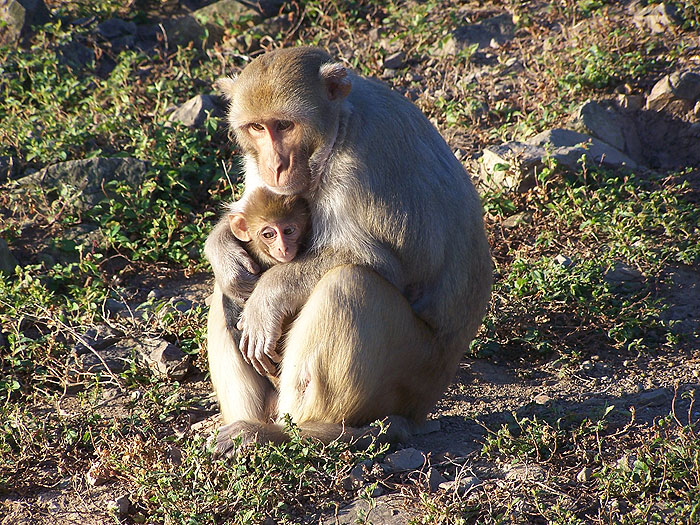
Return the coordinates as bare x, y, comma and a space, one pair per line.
234, 437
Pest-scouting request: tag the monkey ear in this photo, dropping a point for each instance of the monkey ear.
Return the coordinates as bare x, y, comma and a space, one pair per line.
335, 76
239, 227
225, 87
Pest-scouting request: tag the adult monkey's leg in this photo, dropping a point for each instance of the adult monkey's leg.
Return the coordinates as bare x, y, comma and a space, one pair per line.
243, 393
357, 353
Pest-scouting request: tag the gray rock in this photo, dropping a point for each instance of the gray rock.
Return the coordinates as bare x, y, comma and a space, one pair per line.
584, 475
115, 358
394, 60
460, 485
385, 510
115, 28
120, 33
613, 128
491, 32
358, 471
85, 177
206, 26
513, 165
165, 359
630, 102
17, 16
674, 87
8, 263
266, 8
98, 337
620, 272
656, 17
435, 479
655, 397
563, 260
195, 111
119, 506
113, 306
405, 459
8, 168
75, 55
524, 217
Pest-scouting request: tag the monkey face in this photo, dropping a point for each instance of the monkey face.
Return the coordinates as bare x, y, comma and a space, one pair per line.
279, 149
284, 107
281, 240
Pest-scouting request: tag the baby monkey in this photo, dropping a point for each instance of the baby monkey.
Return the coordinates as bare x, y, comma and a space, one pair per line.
275, 229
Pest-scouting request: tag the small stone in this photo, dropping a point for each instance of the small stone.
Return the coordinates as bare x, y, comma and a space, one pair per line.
113, 306
524, 217
358, 471
460, 486
563, 260
630, 102
620, 272
165, 359
195, 111
435, 479
8, 263
406, 459
395, 60
119, 506
349, 484
584, 475
656, 18
377, 491
653, 398
97, 475
542, 399
388, 73
587, 366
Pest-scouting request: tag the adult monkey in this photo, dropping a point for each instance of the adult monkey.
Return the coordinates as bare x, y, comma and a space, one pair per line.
397, 277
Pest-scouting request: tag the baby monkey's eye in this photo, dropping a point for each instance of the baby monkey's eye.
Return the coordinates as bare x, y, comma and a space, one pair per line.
268, 233
255, 126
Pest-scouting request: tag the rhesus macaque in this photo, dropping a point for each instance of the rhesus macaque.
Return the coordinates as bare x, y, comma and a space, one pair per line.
275, 229
274, 226
397, 275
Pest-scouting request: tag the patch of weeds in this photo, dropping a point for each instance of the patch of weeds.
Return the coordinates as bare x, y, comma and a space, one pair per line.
598, 219
599, 68
281, 482
659, 482
654, 221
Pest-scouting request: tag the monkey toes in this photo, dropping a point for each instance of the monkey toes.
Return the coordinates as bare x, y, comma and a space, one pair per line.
235, 437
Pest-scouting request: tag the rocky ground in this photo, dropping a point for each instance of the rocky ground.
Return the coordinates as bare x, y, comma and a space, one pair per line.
587, 362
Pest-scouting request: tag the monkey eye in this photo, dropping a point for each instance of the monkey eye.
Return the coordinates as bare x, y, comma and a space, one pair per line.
290, 230
284, 125
256, 126
268, 233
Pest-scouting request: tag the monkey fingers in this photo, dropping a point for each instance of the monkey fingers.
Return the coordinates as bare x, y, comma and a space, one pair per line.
254, 352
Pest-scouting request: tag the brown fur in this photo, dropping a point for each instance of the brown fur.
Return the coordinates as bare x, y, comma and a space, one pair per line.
386, 300
264, 208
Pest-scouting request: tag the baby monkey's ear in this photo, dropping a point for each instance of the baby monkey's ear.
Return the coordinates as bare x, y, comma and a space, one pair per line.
239, 226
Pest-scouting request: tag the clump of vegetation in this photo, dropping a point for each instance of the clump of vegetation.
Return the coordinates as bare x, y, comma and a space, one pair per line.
67, 95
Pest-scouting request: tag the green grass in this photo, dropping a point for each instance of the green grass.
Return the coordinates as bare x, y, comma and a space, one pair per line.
57, 422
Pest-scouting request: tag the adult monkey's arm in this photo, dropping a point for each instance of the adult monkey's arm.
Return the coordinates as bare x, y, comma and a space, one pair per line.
282, 291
